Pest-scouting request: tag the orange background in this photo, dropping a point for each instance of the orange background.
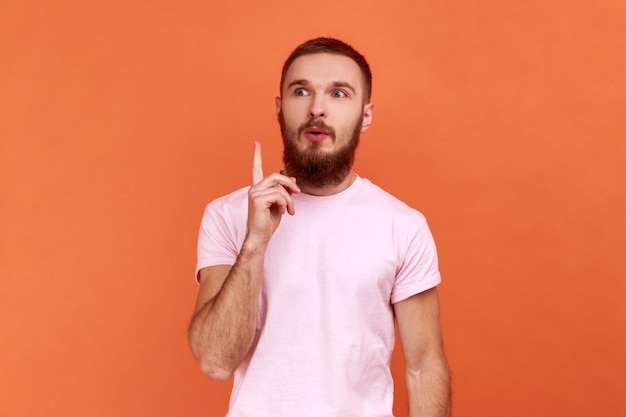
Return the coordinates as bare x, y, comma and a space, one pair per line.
503, 122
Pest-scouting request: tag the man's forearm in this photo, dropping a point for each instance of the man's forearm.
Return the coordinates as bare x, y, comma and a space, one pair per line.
429, 390
223, 330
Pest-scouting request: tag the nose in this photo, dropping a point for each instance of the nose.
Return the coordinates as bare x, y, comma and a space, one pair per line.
318, 107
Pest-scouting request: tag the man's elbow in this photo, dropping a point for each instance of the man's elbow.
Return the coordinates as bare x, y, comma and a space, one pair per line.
434, 363
216, 369
216, 372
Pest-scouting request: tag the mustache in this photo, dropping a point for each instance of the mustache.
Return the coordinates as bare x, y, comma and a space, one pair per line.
318, 123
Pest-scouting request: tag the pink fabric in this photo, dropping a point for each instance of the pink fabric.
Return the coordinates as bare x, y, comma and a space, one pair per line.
325, 329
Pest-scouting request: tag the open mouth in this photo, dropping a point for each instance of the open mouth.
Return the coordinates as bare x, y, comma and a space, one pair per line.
316, 134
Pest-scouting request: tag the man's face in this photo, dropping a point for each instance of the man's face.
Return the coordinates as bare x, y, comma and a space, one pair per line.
321, 114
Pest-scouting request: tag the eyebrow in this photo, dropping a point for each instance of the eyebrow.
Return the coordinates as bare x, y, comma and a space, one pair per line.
340, 84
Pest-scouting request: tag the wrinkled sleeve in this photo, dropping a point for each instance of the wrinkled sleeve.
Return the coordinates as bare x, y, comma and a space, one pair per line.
419, 269
216, 238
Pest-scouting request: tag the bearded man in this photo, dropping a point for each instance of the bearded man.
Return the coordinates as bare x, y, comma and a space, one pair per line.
301, 307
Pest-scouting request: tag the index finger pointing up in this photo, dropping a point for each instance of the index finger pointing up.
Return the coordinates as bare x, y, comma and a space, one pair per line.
257, 166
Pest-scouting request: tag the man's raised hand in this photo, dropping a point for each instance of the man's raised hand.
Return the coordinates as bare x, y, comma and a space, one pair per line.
268, 199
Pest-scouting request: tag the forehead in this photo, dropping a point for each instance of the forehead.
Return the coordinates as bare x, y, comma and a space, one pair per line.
324, 69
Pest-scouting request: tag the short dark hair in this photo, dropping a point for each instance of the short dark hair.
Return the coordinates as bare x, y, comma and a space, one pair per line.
330, 46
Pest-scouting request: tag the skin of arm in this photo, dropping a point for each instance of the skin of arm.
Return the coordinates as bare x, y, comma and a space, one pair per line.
223, 326
426, 366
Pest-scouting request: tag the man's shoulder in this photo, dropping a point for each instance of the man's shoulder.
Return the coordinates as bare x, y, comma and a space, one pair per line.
388, 202
229, 205
238, 195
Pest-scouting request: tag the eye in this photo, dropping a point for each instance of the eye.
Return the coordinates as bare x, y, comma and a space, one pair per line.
301, 92
339, 94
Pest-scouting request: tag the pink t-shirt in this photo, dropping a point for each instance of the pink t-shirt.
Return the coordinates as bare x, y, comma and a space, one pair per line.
325, 328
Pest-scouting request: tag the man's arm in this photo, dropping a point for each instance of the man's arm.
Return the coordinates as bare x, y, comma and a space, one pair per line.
223, 327
426, 367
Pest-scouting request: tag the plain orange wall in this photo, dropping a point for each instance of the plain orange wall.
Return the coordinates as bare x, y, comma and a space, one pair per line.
503, 122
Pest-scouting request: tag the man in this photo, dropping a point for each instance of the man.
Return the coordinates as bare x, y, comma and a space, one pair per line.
302, 274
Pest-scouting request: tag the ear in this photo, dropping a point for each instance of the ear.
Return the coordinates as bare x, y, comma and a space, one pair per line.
278, 103
367, 116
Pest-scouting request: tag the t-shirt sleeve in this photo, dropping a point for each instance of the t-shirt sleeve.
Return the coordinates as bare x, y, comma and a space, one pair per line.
419, 270
216, 239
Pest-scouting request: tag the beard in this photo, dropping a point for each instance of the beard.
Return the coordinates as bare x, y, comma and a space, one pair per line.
313, 167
